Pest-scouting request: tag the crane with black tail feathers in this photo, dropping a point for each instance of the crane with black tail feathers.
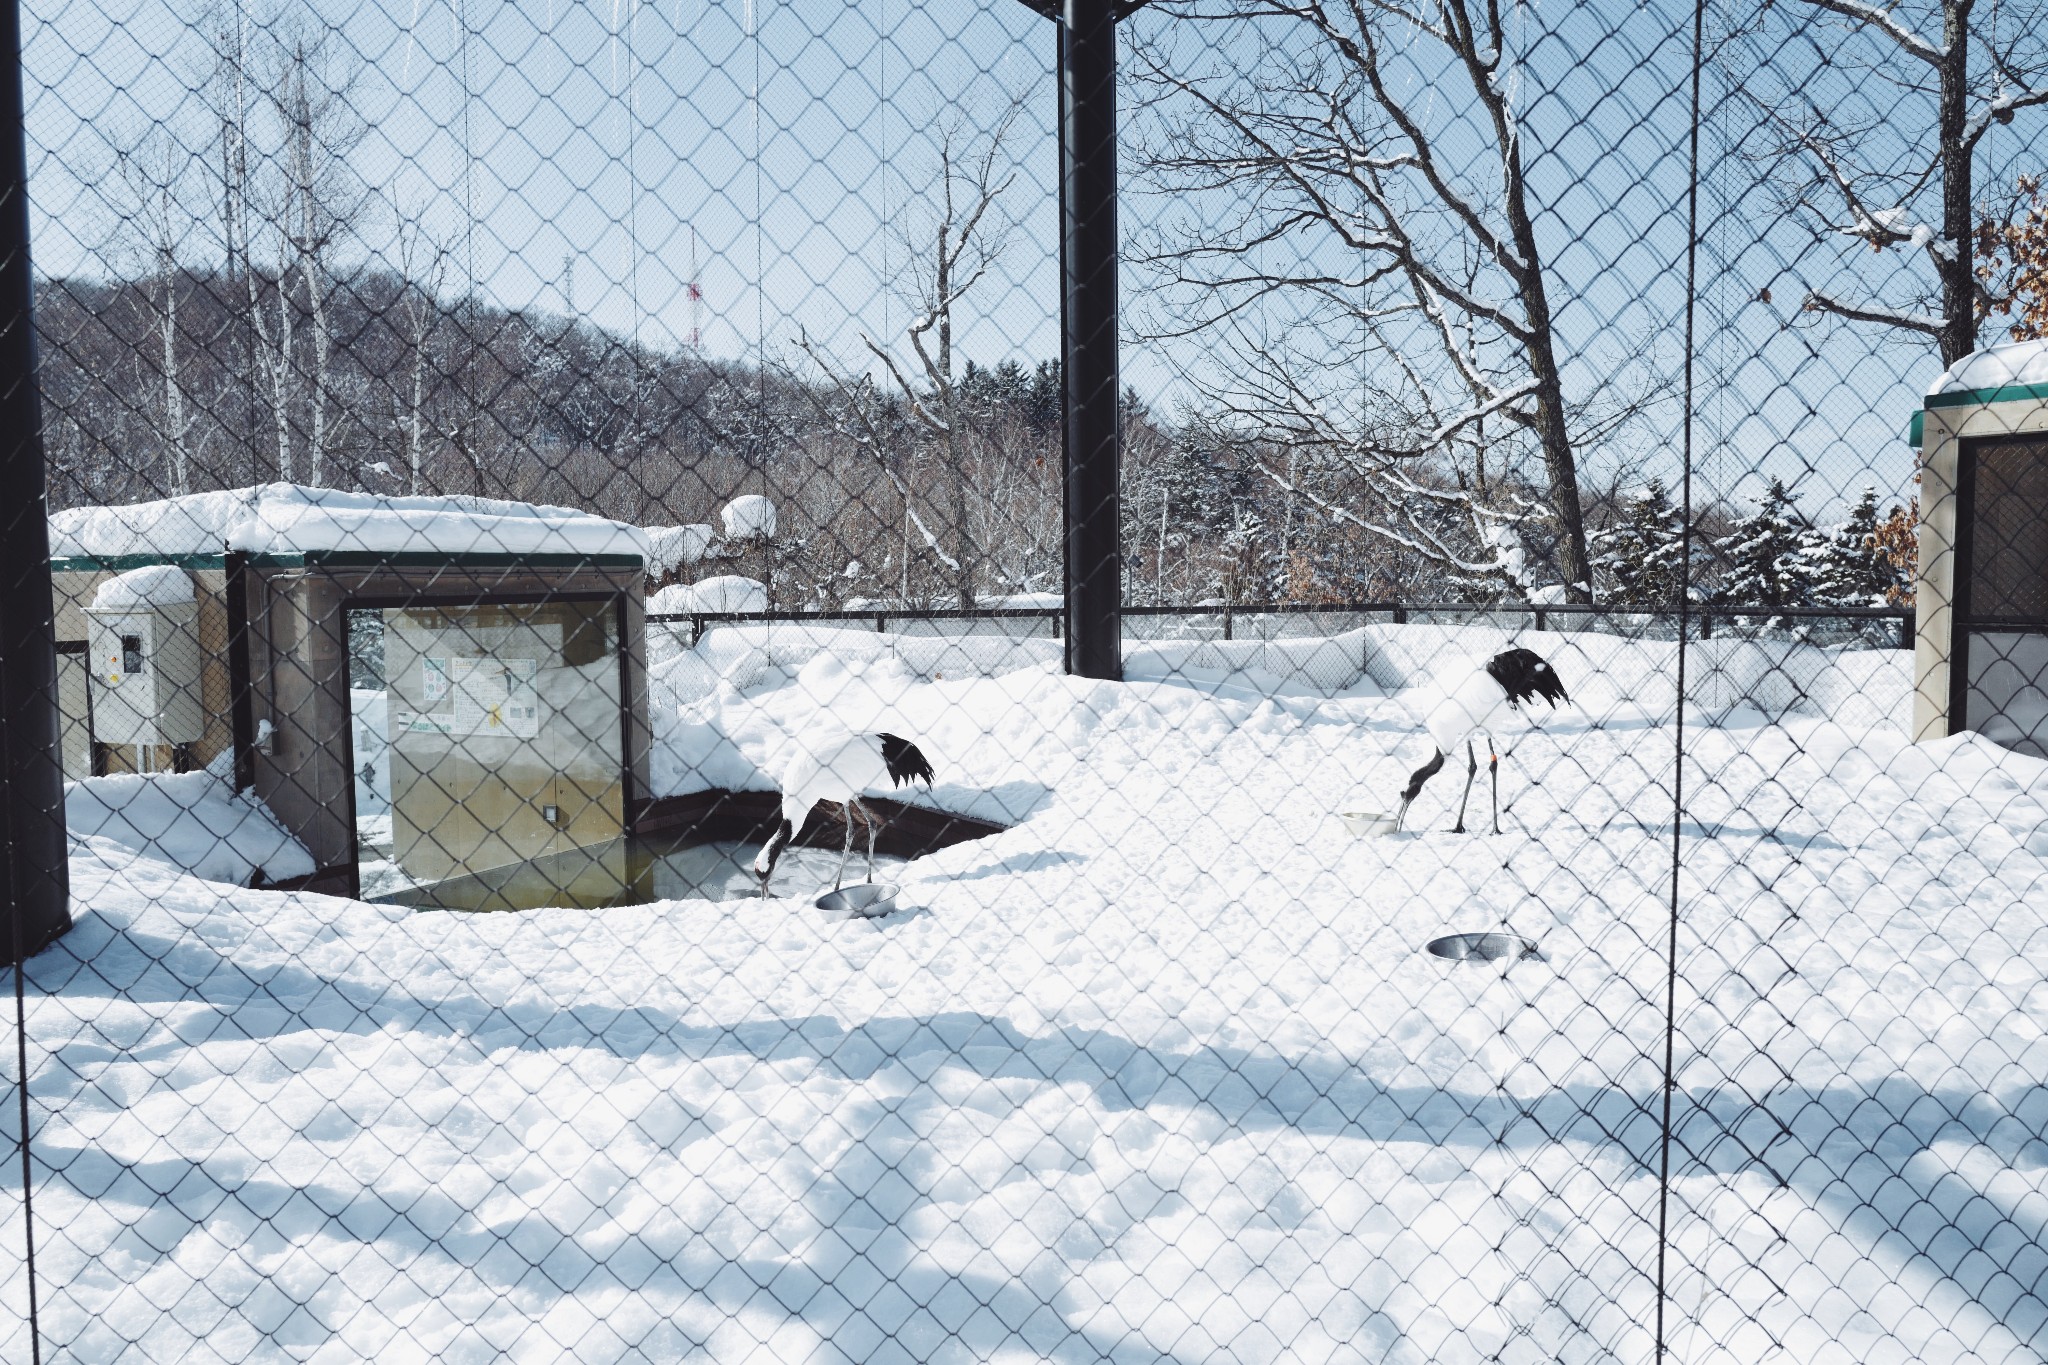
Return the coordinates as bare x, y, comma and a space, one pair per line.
1470, 703
839, 768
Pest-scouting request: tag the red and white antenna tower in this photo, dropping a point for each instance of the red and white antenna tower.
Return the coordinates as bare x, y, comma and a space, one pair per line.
696, 293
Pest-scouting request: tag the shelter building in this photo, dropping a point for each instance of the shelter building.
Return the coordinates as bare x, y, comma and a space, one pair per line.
1981, 600
419, 689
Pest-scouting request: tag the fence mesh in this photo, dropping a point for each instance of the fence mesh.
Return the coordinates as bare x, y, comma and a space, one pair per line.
584, 839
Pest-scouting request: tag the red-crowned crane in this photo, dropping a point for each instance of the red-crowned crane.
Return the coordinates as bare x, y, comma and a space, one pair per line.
1471, 701
839, 768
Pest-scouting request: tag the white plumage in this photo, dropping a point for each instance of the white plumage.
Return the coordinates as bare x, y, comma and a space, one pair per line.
833, 765
1474, 703
1471, 700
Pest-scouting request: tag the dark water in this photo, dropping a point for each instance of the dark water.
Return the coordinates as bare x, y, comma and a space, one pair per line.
636, 871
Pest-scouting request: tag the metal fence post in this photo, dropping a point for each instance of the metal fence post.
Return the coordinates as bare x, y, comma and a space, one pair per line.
1089, 264
38, 885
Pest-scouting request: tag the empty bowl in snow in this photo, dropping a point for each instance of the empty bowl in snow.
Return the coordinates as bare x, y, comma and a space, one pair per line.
864, 900
1483, 947
1369, 824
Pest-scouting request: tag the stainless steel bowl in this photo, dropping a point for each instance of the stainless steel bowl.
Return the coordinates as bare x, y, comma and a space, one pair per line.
862, 900
1369, 824
1483, 947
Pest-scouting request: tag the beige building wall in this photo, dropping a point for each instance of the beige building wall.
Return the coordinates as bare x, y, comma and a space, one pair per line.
1942, 435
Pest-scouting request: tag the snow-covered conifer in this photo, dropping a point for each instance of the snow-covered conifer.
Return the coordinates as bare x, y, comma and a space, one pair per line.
1845, 564
1642, 556
1765, 555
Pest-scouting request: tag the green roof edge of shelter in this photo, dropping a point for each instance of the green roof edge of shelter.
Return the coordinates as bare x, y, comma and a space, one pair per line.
397, 559
2007, 393
1963, 398
427, 559
123, 563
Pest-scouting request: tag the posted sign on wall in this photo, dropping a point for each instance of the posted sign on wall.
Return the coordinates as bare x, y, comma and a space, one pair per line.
471, 696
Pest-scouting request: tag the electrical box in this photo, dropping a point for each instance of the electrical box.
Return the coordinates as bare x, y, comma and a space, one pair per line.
143, 648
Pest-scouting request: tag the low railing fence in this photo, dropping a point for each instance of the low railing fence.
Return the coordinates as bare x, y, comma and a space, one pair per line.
1700, 622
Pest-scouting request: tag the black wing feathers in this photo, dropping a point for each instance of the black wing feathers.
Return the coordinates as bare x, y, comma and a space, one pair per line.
904, 760
1523, 675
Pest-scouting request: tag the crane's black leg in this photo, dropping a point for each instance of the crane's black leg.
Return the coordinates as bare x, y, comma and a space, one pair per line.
1415, 781
1471, 767
1493, 770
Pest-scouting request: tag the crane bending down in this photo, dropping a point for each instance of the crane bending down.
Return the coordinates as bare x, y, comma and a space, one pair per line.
839, 769
1471, 703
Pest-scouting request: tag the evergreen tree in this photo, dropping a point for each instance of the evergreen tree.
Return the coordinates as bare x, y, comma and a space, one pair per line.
1643, 554
1766, 557
1847, 564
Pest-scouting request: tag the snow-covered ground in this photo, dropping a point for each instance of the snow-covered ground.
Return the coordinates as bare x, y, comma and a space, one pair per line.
1161, 1073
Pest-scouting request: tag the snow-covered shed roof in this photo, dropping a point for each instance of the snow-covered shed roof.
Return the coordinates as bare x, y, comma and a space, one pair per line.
1981, 374
288, 519
2017, 370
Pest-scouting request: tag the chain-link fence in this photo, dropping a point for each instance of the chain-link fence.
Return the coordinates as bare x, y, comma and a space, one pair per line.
1242, 680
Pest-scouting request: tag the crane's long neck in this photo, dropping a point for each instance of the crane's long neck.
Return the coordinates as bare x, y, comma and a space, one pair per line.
771, 852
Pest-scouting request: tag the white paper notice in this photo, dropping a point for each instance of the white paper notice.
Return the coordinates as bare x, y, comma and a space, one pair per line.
482, 697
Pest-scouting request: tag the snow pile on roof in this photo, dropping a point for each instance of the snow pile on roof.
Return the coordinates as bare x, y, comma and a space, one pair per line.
723, 592
153, 585
1995, 367
192, 525
193, 821
671, 547
748, 516
283, 518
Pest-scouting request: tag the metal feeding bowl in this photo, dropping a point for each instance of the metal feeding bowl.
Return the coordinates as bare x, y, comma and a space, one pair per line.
863, 900
1370, 824
1484, 947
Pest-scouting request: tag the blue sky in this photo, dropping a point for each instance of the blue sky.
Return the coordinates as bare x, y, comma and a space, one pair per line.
779, 143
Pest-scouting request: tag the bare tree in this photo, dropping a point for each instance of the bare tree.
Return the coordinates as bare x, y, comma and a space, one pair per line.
281, 96
152, 171
311, 90
422, 272
1874, 137
953, 236
1367, 295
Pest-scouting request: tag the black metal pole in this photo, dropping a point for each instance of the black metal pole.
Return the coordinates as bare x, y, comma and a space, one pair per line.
37, 882
1088, 259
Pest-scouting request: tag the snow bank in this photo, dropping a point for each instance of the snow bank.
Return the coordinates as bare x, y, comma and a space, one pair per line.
154, 585
1310, 667
193, 821
1610, 674
748, 517
1162, 1073
720, 592
288, 518
669, 548
1995, 367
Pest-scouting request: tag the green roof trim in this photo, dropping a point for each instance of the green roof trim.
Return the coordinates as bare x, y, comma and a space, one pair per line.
123, 563
400, 559
436, 559
2009, 393
1916, 431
